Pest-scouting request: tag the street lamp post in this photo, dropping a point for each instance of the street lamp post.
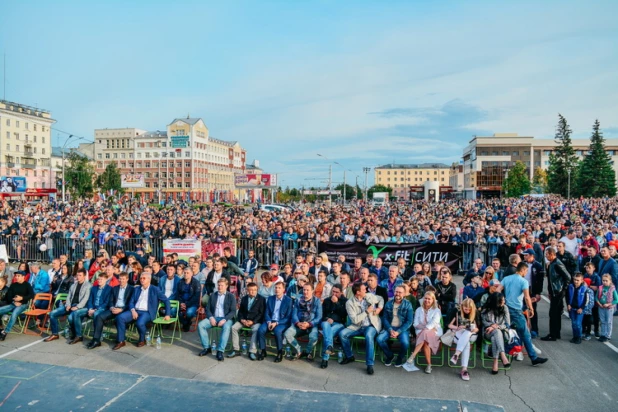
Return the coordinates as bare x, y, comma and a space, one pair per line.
63, 158
569, 183
366, 170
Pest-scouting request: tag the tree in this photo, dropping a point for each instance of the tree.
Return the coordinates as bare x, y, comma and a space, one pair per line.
539, 180
349, 191
517, 183
561, 160
378, 188
110, 179
596, 177
79, 175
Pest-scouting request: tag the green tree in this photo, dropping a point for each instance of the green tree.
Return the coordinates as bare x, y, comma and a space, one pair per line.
561, 160
349, 191
378, 188
539, 180
518, 182
110, 179
79, 175
596, 177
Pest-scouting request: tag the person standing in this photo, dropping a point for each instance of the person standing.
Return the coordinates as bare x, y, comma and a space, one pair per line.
558, 281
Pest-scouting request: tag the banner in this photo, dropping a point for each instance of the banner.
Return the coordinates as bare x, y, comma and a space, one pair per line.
184, 248
391, 252
12, 184
131, 181
255, 180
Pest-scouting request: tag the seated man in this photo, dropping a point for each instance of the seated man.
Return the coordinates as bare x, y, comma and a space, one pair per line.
19, 294
362, 309
188, 294
77, 300
119, 299
277, 319
169, 283
397, 319
334, 317
41, 283
392, 281
250, 315
143, 308
99, 299
220, 311
306, 316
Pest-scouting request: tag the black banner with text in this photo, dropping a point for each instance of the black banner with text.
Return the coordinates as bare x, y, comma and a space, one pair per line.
391, 252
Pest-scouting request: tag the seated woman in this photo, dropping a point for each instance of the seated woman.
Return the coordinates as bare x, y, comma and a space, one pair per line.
322, 288
496, 321
464, 326
268, 287
428, 331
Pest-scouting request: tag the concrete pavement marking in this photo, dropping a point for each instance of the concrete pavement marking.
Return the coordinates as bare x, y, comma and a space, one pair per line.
22, 348
10, 393
566, 314
115, 398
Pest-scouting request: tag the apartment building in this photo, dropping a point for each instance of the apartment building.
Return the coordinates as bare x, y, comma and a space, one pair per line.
487, 159
25, 146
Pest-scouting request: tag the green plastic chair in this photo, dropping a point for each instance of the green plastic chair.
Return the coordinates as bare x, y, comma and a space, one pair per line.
160, 320
488, 362
438, 358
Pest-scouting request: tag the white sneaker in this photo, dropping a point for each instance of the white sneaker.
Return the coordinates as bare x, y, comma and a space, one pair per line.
519, 357
537, 350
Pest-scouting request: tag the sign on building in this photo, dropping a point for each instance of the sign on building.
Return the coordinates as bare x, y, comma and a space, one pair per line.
255, 180
12, 184
132, 181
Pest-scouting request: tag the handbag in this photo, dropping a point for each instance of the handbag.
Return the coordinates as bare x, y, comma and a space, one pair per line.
448, 337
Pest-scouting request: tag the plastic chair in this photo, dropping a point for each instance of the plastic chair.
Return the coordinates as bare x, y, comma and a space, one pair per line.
472, 361
395, 352
160, 320
486, 359
32, 313
356, 343
438, 358
200, 314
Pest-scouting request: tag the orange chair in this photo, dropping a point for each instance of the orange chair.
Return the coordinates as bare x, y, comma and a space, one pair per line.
200, 314
32, 313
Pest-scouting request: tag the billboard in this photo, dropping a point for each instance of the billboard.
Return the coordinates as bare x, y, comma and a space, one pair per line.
255, 180
12, 184
185, 248
132, 180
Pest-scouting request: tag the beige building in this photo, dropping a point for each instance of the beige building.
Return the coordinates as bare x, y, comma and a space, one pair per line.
456, 177
183, 161
406, 175
487, 159
25, 145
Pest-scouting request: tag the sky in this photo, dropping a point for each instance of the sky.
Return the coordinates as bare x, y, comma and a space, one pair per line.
362, 83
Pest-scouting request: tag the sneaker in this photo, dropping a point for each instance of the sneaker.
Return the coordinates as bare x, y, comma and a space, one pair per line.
587, 337
465, 375
573, 340
519, 357
603, 339
428, 369
537, 350
231, 354
329, 350
399, 363
389, 360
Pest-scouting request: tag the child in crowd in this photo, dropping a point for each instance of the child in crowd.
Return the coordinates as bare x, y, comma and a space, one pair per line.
577, 300
593, 281
607, 298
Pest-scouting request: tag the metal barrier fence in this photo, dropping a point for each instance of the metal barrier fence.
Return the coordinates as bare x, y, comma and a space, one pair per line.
272, 251
486, 252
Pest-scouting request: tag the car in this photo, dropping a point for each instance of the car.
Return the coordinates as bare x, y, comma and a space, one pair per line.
275, 208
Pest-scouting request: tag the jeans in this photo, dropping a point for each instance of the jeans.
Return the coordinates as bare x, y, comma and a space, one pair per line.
404, 341
143, 317
292, 332
16, 311
186, 316
75, 320
329, 331
369, 332
236, 338
277, 331
53, 318
518, 320
205, 325
462, 339
606, 317
576, 322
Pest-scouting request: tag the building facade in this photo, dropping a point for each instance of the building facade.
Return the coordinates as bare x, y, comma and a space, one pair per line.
407, 180
183, 162
25, 146
487, 159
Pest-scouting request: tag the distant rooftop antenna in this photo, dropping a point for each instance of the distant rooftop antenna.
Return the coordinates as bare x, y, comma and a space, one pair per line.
188, 116
4, 80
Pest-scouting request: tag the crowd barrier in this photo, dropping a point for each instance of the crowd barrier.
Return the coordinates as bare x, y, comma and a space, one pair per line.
275, 251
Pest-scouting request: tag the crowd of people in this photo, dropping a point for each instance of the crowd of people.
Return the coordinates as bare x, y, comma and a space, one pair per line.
509, 248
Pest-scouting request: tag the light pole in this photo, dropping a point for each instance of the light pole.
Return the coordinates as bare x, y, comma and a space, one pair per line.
63, 158
366, 170
330, 179
569, 189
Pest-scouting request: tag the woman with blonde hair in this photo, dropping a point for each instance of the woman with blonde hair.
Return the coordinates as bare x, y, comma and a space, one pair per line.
427, 320
466, 332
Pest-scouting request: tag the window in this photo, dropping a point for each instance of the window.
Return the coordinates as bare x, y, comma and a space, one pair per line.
147, 164
8, 122
34, 139
187, 174
16, 136
8, 135
164, 185
17, 148
163, 164
187, 153
155, 184
164, 174
494, 153
34, 125
147, 174
115, 155
35, 170
156, 174
123, 155
516, 153
107, 155
99, 156
139, 155
187, 164
579, 153
8, 147
16, 123
505, 153
178, 174
546, 152
187, 184
131, 165
526, 152
178, 164
147, 184
43, 151
484, 153
107, 141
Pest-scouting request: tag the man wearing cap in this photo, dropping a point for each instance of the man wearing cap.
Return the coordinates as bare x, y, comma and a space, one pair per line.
295, 290
494, 287
474, 289
534, 276
19, 294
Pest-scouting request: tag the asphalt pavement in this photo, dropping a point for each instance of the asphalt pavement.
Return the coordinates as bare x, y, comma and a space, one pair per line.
576, 377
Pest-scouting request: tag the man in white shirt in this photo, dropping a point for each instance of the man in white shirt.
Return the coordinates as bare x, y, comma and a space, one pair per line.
570, 243
220, 311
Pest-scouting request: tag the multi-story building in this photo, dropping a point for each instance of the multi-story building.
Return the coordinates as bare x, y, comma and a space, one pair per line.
408, 179
25, 146
487, 159
456, 177
182, 162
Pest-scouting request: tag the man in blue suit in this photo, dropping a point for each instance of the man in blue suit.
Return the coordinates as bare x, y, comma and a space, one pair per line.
143, 308
277, 319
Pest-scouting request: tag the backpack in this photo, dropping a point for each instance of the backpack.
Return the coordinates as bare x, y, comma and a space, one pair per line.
589, 301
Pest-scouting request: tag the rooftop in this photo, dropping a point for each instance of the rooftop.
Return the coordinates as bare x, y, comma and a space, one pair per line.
414, 166
24, 109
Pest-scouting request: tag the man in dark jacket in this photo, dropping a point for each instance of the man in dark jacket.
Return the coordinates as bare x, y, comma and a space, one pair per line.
220, 311
334, 315
566, 258
214, 276
188, 294
20, 293
535, 277
558, 279
250, 315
